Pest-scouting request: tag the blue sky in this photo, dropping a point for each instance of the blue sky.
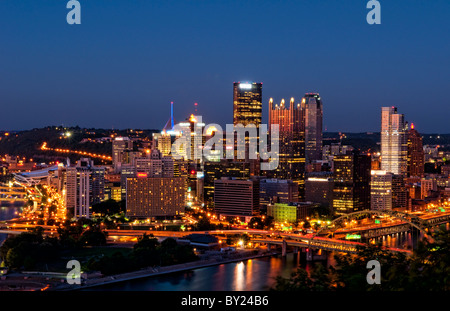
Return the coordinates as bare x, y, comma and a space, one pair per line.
128, 60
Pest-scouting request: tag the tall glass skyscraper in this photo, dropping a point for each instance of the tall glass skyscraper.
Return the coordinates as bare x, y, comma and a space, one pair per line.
394, 144
247, 103
247, 109
416, 157
291, 142
351, 191
313, 115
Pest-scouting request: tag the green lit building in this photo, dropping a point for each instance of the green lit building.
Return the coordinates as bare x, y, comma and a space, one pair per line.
282, 212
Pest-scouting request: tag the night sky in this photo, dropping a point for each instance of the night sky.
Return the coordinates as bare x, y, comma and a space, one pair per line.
128, 60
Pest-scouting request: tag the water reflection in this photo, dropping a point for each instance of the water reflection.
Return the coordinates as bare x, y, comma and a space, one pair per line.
251, 275
9, 211
239, 277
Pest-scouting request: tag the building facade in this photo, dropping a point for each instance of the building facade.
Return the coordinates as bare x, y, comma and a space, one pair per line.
351, 191
312, 119
233, 197
416, 156
380, 190
319, 190
291, 142
155, 197
247, 103
85, 186
394, 147
119, 145
277, 191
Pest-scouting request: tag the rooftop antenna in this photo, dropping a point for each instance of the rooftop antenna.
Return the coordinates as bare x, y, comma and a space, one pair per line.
171, 122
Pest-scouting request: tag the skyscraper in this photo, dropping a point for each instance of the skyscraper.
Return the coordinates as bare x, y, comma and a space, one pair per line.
319, 189
277, 191
312, 120
85, 186
247, 103
247, 110
234, 197
291, 142
77, 192
380, 190
155, 164
399, 193
155, 197
119, 145
394, 147
225, 168
416, 156
163, 142
351, 191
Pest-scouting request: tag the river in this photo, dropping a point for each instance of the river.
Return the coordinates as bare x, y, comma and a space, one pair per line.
9, 211
250, 275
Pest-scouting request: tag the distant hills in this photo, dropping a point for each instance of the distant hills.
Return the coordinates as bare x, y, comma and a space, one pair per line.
370, 141
27, 143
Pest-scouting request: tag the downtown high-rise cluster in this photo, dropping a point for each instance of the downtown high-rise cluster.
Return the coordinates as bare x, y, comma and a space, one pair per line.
311, 173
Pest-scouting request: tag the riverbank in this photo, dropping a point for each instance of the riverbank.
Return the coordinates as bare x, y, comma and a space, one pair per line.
150, 272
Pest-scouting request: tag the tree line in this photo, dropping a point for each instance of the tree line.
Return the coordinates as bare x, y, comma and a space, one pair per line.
427, 269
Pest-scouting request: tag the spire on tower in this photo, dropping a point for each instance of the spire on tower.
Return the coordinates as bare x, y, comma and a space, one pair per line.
171, 122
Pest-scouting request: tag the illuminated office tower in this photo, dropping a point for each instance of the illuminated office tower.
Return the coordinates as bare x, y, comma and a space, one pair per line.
380, 190
247, 103
225, 168
77, 192
351, 191
155, 197
247, 109
394, 148
119, 145
163, 142
291, 142
312, 122
126, 171
191, 148
85, 186
277, 191
319, 189
416, 156
399, 193
113, 191
155, 164
234, 197
428, 185
164, 139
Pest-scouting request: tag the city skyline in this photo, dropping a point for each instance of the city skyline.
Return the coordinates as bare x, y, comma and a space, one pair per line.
86, 74
224, 147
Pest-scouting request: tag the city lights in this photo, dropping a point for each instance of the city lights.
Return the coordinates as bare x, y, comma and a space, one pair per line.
150, 159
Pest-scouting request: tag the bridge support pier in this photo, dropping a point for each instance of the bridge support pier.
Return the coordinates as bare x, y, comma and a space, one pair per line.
312, 254
309, 254
284, 248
